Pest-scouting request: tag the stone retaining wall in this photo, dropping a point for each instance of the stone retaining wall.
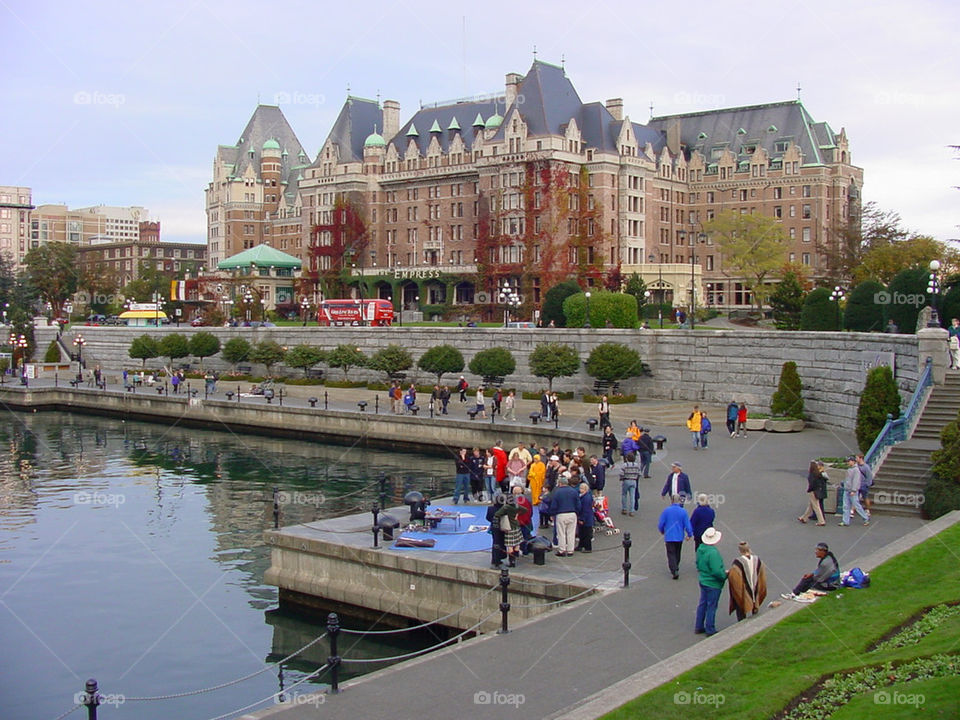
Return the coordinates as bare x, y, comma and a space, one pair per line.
704, 365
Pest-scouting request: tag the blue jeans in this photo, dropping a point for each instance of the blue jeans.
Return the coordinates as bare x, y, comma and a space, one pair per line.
645, 458
707, 609
851, 501
628, 489
695, 436
703, 439
461, 487
489, 481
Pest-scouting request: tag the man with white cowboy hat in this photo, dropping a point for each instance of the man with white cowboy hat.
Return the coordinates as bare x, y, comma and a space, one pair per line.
710, 567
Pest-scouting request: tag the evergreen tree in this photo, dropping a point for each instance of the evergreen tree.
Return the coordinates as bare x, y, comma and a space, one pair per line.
906, 289
613, 361
880, 397
144, 348
553, 360
495, 362
552, 309
235, 351
204, 344
819, 311
268, 353
787, 302
787, 401
441, 359
303, 357
391, 360
865, 308
345, 357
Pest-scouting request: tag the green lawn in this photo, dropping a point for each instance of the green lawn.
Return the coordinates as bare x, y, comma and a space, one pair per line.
936, 699
760, 676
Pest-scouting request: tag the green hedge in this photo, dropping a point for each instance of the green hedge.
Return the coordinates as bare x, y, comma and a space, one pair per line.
612, 399
344, 384
536, 395
303, 381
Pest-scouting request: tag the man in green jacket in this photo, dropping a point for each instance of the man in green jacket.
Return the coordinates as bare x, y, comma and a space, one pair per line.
710, 567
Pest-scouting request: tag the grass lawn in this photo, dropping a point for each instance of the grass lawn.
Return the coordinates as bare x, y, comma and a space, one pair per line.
759, 677
935, 699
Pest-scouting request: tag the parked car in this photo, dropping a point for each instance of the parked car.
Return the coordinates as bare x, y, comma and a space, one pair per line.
521, 325
197, 322
96, 319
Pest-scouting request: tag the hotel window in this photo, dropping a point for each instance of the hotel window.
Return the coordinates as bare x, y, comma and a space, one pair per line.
806, 212
806, 191
806, 234
709, 262
793, 211
777, 193
793, 233
778, 212
805, 258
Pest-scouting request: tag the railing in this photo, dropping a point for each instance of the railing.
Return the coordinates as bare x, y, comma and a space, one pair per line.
896, 431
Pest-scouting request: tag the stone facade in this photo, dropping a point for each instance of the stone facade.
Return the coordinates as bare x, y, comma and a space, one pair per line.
707, 366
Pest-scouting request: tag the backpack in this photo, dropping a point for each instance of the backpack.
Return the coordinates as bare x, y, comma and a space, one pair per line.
856, 578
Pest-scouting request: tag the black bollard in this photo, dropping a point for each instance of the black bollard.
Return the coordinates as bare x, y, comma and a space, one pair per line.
55, 380
627, 542
91, 698
238, 393
504, 601
376, 528
556, 421
333, 630
276, 507
431, 409
376, 404
326, 401
189, 393
281, 397
166, 390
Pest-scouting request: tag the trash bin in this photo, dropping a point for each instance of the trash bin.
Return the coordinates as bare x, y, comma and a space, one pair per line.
539, 546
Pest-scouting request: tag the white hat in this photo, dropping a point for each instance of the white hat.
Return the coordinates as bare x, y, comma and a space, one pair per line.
711, 536
554, 457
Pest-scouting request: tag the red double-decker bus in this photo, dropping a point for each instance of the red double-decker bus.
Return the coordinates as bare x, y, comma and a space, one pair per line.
376, 313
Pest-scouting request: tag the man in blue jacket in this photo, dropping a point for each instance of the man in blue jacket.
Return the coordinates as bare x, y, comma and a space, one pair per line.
732, 410
678, 483
585, 520
565, 508
674, 525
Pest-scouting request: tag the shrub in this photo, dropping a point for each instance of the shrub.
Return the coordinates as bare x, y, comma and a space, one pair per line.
613, 361
819, 311
553, 302
303, 381
787, 302
346, 357
174, 346
493, 362
617, 309
53, 353
655, 310
267, 352
879, 398
344, 384
912, 281
236, 351
940, 496
441, 359
950, 305
390, 360
863, 313
553, 360
144, 348
536, 396
787, 401
204, 344
612, 399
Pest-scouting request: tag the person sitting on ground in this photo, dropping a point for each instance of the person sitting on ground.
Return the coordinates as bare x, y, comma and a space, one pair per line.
825, 577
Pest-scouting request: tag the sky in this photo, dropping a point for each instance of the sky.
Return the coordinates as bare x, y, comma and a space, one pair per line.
122, 103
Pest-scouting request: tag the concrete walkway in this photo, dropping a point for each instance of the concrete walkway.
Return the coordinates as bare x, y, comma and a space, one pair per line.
553, 663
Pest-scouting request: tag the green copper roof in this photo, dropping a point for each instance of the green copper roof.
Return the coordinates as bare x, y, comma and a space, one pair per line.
271, 144
374, 140
494, 121
261, 256
412, 132
454, 125
478, 121
435, 127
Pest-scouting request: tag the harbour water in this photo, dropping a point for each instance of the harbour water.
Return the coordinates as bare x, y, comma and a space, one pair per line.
133, 553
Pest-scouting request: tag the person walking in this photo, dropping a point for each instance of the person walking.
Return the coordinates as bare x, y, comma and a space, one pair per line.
742, 420
444, 399
629, 478
554, 407
747, 578
544, 405
462, 481
866, 482
732, 410
693, 425
712, 576
646, 451
674, 525
701, 518
609, 443
498, 547
481, 403
678, 483
705, 428
462, 386
816, 485
506, 519
497, 402
510, 407
603, 411
953, 343
851, 494
565, 508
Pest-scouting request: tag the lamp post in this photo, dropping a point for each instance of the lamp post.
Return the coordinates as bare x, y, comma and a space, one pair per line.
304, 306
836, 295
652, 258
509, 297
6, 307
13, 352
79, 342
933, 289
247, 302
586, 316
22, 344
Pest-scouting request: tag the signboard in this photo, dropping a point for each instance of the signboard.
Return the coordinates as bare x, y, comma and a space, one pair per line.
872, 359
151, 307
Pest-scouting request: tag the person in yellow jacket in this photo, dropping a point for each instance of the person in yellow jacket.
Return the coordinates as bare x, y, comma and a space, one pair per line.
693, 425
536, 475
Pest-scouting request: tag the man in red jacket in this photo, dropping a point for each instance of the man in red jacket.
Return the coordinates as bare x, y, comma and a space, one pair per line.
524, 517
500, 454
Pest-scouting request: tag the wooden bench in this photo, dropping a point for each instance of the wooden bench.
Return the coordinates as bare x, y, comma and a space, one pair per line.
314, 374
245, 369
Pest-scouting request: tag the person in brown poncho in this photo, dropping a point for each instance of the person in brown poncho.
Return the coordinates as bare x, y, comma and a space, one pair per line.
747, 581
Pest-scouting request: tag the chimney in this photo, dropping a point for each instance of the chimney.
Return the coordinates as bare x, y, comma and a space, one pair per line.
391, 118
615, 106
673, 137
513, 82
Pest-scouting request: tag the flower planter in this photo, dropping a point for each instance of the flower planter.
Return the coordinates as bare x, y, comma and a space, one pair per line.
783, 425
755, 423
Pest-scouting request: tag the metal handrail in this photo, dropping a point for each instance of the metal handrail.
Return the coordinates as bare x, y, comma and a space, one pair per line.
896, 431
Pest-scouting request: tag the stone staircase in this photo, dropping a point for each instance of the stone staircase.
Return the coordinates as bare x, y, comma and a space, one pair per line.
899, 483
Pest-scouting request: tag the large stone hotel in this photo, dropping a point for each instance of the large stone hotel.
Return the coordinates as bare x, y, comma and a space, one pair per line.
525, 187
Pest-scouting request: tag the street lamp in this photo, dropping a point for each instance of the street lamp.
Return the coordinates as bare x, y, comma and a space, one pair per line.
247, 301
653, 258
933, 289
79, 342
836, 295
586, 316
304, 306
508, 296
6, 307
13, 354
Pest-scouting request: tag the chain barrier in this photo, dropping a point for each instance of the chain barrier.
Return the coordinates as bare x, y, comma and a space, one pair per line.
61, 717
272, 696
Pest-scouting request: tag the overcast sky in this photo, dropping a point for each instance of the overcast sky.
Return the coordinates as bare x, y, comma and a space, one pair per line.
124, 103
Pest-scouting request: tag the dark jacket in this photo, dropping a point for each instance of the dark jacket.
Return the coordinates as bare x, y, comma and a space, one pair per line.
564, 499
598, 477
683, 485
646, 443
463, 466
585, 515
701, 519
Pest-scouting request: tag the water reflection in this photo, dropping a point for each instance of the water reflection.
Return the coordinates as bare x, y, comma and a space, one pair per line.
134, 553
